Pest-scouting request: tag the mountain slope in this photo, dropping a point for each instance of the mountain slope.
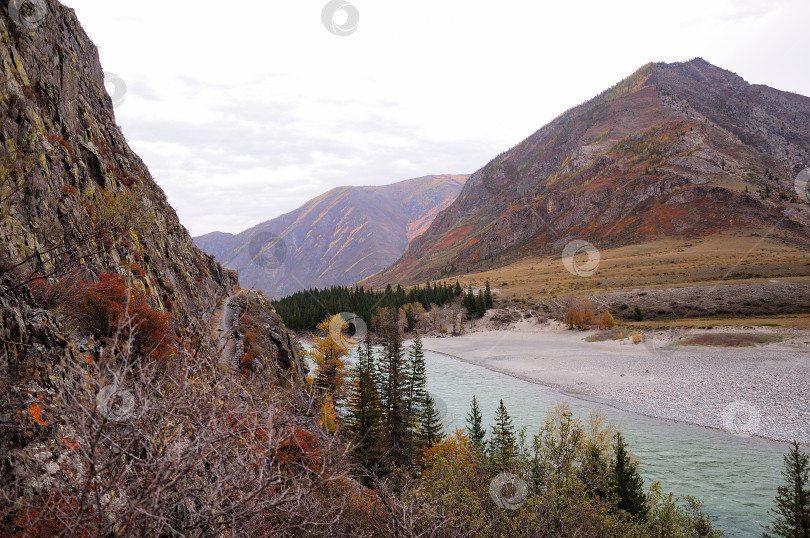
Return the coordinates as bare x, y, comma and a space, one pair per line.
112, 379
674, 150
337, 238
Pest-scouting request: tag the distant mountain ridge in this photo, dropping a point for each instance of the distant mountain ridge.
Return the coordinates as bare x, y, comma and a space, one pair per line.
337, 238
679, 149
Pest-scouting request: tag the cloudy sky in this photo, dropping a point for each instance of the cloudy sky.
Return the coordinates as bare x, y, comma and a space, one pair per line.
245, 110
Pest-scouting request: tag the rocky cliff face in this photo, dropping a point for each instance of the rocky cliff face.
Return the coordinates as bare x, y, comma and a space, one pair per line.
337, 238
84, 230
675, 149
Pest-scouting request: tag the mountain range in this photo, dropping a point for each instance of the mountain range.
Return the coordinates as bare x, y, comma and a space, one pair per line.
675, 150
337, 238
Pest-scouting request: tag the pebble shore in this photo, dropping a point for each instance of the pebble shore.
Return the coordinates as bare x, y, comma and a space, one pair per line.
762, 391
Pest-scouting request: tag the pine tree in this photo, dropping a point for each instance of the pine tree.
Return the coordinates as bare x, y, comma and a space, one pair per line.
364, 420
480, 305
488, 296
791, 510
474, 427
415, 384
628, 486
397, 437
457, 289
430, 422
637, 315
502, 442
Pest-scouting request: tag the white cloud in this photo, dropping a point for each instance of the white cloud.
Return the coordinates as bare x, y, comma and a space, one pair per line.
244, 111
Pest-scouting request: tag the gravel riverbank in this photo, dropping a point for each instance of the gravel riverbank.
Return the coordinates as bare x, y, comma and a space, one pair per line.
763, 390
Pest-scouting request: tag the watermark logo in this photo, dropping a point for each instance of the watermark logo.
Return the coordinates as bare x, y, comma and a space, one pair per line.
359, 329
572, 258
267, 250
508, 490
441, 408
741, 418
802, 185
116, 87
115, 402
661, 347
27, 13
340, 17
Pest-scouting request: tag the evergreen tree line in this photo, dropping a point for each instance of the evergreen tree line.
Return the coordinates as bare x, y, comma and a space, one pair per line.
390, 416
477, 304
303, 310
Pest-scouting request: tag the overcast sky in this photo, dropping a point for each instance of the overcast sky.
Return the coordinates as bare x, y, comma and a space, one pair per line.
245, 110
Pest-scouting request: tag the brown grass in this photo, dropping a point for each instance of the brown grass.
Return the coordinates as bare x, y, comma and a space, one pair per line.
730, 340
725, 257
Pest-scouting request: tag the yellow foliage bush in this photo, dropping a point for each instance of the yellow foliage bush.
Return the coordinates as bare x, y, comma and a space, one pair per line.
606, 321
580, 314
638, 338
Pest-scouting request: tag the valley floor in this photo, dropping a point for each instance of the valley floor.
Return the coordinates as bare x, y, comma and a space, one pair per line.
763, 390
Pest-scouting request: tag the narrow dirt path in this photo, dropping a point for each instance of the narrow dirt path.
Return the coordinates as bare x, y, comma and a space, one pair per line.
223, 327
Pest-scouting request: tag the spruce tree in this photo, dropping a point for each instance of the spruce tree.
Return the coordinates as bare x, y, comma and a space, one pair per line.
397, 436
415, 384
488, 296
474, 427
628, 486
502, 442
791, 510
430, 422
480, 305
364, 420
457, 289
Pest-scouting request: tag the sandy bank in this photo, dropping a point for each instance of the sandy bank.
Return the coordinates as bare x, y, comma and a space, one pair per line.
762, 390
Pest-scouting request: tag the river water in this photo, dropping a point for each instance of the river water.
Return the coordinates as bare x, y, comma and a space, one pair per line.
735, 476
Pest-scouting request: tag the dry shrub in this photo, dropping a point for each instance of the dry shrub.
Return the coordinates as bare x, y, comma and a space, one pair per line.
606, 321
113, 308
637, 338
580, 314
190, 451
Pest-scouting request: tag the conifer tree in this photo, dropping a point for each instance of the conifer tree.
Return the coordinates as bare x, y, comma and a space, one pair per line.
488, 297
331, 369
474, 427
480, 304
415, 384
397, 437
430, 423
364, 420
791, 510
628, 486
457, 289
502, 442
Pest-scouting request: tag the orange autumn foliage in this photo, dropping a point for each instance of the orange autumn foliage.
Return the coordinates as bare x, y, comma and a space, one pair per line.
111, 303
300, 450
454, 447
580, 314
36, 413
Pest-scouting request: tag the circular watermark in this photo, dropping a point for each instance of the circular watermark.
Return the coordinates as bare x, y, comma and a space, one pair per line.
660, 345
332, 21
336, 329
802, 185
27, 13
115, 402
267, 250
572, 258
118, 86
441, 408
508, 490
741, 418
